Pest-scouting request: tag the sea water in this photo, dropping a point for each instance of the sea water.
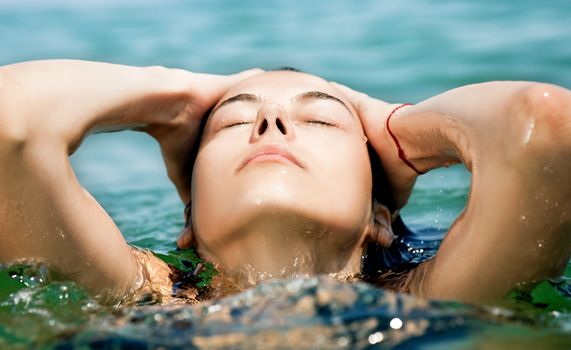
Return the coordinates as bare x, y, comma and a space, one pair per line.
401, 51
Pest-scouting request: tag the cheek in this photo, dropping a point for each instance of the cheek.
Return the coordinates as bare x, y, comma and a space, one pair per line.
343, 170
342, 157
213, 168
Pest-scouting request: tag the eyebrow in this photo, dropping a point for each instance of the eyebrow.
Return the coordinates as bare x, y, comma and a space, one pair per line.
310, 95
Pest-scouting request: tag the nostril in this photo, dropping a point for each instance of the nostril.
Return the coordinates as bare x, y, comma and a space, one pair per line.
263, 127
281, 126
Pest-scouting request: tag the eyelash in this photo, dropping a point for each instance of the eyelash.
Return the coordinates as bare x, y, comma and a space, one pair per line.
235, 124
315, 122
320, 122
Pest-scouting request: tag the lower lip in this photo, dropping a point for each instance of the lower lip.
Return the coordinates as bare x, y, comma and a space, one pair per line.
269, 158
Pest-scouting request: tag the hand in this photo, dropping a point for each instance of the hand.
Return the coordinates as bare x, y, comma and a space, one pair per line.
177, 138
373, 114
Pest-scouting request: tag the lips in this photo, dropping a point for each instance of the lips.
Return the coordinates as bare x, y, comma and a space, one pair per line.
270, 153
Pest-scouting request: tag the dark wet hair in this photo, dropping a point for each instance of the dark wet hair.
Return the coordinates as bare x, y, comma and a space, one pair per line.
287, 69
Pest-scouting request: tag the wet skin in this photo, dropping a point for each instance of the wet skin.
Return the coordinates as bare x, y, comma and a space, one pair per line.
282, 181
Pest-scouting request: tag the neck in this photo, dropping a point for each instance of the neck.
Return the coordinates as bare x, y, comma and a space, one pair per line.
273, 248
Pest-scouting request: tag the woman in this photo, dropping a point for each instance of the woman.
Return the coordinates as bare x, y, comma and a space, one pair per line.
282, 182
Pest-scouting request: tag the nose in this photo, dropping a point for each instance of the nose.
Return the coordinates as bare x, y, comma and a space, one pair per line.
272, 121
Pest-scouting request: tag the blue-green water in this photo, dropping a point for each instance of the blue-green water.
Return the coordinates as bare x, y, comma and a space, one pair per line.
398, 51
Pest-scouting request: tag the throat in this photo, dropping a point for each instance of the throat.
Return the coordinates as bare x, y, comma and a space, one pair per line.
234, 282
262, 254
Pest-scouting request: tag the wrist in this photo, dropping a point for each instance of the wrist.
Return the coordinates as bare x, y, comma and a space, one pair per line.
400, 151
423, 140
147, 96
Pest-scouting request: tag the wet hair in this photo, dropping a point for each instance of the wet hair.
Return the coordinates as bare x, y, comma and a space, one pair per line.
287, 69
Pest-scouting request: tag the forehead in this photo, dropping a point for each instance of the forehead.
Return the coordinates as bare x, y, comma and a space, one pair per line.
283, 85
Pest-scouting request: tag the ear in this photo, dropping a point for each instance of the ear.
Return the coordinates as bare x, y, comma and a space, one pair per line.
186, 237
379, 229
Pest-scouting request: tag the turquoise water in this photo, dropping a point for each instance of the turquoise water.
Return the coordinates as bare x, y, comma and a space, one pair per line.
399, 51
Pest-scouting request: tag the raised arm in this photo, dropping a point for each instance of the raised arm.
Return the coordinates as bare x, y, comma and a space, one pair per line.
46, 109
515, 138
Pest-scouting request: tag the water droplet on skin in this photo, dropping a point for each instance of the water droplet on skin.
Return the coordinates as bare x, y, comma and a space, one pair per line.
59, 232
529, 131
522, 217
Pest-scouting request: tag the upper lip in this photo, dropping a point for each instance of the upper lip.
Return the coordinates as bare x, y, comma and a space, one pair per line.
270, 150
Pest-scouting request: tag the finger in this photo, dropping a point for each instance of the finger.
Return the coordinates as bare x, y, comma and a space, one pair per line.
352, 94
213, 87
248, 73
356, 98
234, 79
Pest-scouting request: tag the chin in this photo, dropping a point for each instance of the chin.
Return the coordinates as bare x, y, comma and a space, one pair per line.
297, 209
274, 186
278, 199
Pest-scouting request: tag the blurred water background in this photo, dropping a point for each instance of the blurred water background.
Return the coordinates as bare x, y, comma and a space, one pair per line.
398, 51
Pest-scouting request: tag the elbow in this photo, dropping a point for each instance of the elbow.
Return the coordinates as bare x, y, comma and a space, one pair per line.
545, 117
13, 129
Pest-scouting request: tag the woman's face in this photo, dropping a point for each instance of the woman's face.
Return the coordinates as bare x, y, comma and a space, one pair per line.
284, 151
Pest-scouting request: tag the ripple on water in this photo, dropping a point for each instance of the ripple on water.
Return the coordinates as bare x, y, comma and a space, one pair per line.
300, 313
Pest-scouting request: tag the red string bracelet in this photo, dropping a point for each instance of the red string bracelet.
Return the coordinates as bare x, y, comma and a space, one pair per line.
401, 153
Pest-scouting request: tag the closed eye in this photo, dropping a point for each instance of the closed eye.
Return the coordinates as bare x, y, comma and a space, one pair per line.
235, 124
320, 122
